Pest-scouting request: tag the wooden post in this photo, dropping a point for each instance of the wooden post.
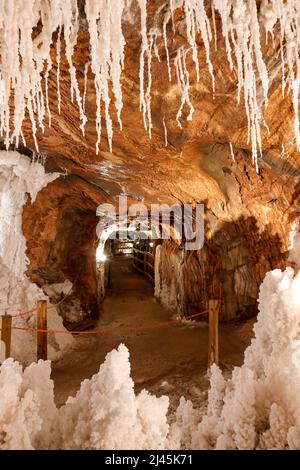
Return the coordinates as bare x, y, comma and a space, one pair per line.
213, 341
42, 325
6, 333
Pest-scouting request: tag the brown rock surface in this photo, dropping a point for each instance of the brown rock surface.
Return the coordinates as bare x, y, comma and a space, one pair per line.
248, 215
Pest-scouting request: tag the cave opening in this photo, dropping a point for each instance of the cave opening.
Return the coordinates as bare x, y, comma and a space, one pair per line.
126, 262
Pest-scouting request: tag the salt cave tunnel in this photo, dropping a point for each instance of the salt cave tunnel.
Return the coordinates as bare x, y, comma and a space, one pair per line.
162, 103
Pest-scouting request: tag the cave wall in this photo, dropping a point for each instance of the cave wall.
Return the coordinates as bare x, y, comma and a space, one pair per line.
230, 267
60, 229
248, 217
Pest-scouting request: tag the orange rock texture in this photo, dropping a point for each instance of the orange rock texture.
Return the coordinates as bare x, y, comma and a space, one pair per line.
248, 215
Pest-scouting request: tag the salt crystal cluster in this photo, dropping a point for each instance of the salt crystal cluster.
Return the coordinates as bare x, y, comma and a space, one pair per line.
29, 28
258, 406
19, 179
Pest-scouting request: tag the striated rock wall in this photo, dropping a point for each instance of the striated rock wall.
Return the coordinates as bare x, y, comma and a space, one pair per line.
231, 266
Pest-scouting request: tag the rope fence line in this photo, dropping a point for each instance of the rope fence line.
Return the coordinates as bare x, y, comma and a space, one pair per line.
42, 331
51, 306
149, 326
23, 314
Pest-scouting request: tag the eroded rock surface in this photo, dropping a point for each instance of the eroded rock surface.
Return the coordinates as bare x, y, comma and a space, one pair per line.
248, 215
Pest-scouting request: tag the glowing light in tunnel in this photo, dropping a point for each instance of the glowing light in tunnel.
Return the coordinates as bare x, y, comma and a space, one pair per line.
100, 255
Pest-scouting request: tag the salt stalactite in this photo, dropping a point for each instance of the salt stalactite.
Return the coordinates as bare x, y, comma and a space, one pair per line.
58, 47
172, 8
69, 12
231, 151
165, 131
198, 22
107, 57
149, 84
240, 25
27, 29
288, 16
145, 51
25, 59
166, 20
183, 80
86, 69
148, 46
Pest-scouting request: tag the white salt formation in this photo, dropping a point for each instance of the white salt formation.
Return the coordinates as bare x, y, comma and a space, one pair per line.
107, 54
27, 30
27, 411
257, 408
18, 179
294, 249
105, 413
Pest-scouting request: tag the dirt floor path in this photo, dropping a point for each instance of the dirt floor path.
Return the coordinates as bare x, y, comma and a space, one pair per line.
170, 360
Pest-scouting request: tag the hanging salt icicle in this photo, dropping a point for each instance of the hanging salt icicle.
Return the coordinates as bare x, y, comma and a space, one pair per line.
107, 57
172, 9
26, 63
47, 94
149, 84
191, 33
70, 22
240, 24
27, 29
183, 80
58, 51
198, 22
166, 20
165, 131
149, 45
144, 52
231, 151
224, 8
288, 15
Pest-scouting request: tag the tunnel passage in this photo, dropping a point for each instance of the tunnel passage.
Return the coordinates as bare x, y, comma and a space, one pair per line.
127, 265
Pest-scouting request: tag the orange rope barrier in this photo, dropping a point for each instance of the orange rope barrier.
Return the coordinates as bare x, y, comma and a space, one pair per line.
112, 330
22, 314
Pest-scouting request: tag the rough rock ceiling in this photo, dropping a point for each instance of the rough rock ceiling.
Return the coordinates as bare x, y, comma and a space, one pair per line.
185, 169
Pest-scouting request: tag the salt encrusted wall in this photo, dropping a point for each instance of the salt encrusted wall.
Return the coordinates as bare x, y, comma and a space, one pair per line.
20, 181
